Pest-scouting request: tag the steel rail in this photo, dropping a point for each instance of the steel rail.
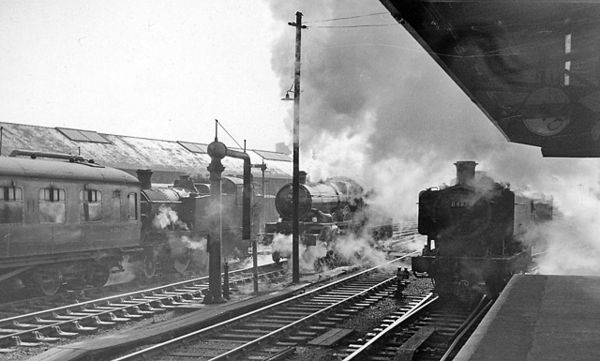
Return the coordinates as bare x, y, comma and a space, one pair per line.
425, 302
32, 323
123, 295
300, 321
255, 312
479, 311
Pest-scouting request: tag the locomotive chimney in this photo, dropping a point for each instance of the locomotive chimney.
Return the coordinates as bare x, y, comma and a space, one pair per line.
145, 177
465, 171
302, 177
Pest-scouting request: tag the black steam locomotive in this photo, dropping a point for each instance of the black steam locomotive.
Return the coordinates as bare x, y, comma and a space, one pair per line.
326, 209
69, 220
175, 222
473, 231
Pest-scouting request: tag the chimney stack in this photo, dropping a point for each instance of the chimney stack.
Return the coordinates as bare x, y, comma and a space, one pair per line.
145, 177
465, 172
302, 177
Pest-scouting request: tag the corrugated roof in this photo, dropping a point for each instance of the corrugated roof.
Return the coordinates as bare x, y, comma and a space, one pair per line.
195, 147
82, 135
266, 155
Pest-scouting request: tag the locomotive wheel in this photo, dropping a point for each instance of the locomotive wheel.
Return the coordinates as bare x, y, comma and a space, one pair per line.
48, 282
76, 283
181, 264
98, 275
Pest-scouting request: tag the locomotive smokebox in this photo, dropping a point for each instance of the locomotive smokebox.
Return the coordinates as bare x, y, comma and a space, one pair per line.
145, 177
465, 171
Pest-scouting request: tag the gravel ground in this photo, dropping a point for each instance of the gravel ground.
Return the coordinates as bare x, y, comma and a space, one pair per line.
363, 322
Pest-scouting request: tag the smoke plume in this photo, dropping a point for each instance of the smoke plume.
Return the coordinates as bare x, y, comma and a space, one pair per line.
168, 218
375, 107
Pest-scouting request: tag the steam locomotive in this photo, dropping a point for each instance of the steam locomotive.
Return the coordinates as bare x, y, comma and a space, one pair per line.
325, 210
474, 231
69, 220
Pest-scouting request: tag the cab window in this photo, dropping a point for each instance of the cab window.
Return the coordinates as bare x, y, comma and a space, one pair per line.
132, 206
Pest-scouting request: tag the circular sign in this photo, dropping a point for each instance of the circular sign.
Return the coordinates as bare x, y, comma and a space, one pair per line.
546, 111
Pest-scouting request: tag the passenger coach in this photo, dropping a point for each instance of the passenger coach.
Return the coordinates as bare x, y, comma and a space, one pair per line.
65, 221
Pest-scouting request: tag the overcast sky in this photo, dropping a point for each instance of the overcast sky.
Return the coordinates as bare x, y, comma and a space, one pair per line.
166, 69
158, 69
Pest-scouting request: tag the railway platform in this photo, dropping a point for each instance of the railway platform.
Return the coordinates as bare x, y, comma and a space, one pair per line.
540, 318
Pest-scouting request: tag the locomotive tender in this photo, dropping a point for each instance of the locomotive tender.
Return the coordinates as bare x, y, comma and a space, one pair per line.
325, 209
68, 220
473, 231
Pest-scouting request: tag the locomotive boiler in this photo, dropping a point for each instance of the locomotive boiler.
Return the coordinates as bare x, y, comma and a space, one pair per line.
325, 209
474, 231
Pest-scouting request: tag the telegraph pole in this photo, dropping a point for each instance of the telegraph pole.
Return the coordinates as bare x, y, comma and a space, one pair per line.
296, 171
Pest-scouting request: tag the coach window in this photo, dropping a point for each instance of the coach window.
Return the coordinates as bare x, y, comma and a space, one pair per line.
52, 205
11, 205
91, 205
132, 206
115, 211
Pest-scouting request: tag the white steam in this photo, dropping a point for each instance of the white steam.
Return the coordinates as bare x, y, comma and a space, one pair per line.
375, 107
308, 254
346, 249
168, 218
571, 241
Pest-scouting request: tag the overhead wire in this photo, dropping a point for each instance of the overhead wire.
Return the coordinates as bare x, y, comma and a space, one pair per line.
344, 18
353, 26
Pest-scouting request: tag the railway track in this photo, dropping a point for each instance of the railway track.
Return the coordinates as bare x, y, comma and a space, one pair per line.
273, 331
67, 321
426, 329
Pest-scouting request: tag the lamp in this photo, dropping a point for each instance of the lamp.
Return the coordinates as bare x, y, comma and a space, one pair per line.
287, 93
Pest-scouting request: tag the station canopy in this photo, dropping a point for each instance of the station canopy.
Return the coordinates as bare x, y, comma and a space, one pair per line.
532, 66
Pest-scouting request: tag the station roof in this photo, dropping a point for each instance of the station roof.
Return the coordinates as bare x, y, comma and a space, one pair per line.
532, 66
167, 159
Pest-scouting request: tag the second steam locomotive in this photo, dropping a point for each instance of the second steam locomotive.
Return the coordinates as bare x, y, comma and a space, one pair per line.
326, 209
474, 231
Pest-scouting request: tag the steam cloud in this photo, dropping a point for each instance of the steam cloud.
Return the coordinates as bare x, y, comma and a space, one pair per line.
168, 218
180, 245
377, 108
349, 249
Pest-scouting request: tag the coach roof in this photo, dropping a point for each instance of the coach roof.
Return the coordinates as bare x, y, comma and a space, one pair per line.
65, 170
